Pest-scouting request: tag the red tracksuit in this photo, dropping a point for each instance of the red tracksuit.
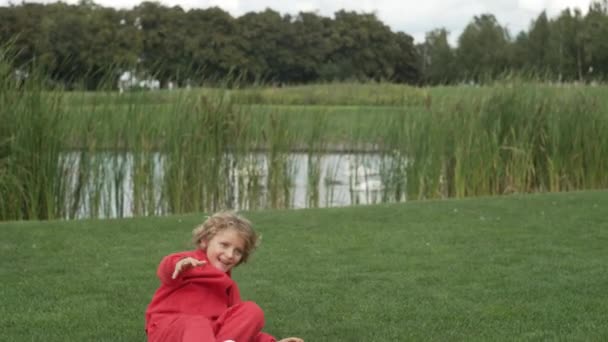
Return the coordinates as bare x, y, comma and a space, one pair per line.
202, 304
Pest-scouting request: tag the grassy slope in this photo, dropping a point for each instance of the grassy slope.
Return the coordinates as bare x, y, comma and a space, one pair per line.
509, 268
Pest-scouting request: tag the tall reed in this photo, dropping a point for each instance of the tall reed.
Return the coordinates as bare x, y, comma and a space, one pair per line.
31, 139
196, 167
100, 154
279, 141
317, 144
507, 138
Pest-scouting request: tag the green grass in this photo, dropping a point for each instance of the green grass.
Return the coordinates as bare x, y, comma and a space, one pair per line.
503, 268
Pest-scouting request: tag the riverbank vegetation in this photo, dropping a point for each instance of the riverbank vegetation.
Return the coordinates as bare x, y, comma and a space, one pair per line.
70, 154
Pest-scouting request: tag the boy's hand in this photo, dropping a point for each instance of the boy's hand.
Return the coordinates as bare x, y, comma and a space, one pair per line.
292, 339
186, 263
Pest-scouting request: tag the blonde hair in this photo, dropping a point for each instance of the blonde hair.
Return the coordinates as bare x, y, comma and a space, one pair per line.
225, 220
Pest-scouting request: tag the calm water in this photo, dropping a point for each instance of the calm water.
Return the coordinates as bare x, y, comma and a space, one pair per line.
345, 179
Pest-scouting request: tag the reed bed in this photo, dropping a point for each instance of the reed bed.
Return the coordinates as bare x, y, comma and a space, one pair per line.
32, 184
101, 154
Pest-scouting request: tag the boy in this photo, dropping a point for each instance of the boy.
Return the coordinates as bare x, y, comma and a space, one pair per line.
197, 299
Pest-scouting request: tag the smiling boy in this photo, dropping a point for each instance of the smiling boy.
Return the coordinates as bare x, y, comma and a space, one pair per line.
197, 299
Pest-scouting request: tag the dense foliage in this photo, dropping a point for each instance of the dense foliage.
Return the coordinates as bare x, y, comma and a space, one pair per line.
78, 44
569, 47
73, 41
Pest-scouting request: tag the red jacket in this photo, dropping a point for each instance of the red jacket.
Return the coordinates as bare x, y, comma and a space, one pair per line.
203, 290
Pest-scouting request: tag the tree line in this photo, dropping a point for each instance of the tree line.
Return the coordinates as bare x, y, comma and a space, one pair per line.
569, 47
80, 44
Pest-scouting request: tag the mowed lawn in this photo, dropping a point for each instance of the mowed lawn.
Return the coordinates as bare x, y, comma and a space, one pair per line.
509, 268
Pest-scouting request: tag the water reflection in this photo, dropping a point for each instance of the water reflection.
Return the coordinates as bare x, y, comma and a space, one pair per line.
126, 184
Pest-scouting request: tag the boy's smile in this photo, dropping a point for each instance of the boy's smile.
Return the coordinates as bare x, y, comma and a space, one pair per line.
225, 249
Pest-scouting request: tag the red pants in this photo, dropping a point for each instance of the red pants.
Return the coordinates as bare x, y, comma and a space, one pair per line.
241, 323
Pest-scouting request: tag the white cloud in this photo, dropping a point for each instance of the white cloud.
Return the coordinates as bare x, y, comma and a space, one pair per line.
535, 6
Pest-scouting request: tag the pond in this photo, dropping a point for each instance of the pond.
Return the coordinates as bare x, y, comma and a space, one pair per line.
109, 185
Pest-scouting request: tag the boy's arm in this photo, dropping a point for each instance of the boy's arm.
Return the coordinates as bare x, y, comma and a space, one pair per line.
168, 270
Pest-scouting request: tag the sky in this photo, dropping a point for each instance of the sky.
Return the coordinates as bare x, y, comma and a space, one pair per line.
414, 17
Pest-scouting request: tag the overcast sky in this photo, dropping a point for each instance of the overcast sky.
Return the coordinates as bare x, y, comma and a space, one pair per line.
415, 17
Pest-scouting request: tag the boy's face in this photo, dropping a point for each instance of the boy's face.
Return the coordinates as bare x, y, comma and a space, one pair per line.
225, 249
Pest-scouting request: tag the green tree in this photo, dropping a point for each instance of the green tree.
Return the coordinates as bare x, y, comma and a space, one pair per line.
268, 40
540, 53
595, 42
438, 64
481, 48
24, 26
406, 68
519, 52
364, 48
569, 40
311, 46
212, 44
162, 41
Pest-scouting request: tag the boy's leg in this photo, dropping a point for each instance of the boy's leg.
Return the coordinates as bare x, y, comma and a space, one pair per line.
241, 322
182, 329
